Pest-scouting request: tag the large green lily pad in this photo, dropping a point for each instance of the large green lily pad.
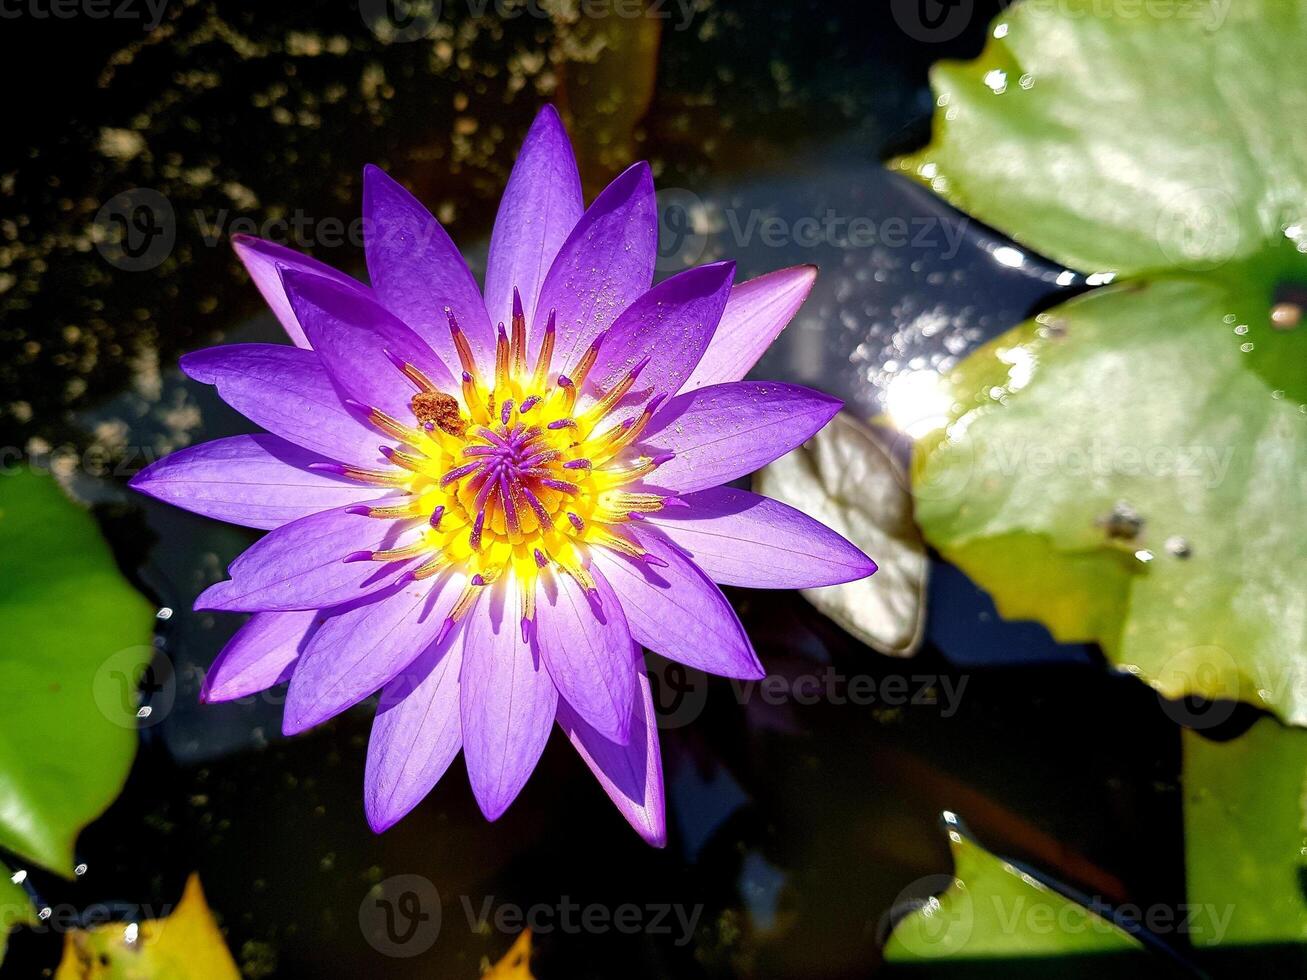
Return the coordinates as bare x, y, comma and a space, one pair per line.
76, 638
994, 911
1119, 470
1129, 137
1245, 835
1130, 468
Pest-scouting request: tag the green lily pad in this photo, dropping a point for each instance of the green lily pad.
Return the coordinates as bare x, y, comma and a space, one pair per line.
1245, 835
994, 911
1119, 470
1129, 468
76, 640
15, 909
1129, 137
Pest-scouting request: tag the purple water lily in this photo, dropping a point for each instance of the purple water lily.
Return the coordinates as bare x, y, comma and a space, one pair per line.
488, 524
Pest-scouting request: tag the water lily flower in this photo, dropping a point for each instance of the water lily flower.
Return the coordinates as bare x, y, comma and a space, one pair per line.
483, 505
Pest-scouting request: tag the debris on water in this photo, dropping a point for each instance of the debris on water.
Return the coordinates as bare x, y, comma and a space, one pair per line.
1123, 524
1286, 316
1144, 555
1178, 546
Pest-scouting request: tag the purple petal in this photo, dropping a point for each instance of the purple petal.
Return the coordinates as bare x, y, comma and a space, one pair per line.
631, 774
667, 330
356, 339
288, 392
358, 651
261, 655
606, 264
508, 703
301, 565
540, 207
264, 261
756, 313
417, 271
256, 480
416, 734
588, 649
741, 538
677, 612
724, 432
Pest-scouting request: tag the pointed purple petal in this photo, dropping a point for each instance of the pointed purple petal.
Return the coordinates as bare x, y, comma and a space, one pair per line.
508, 703
674, 610
727, 431
358, 340
256, 480
631, 774
300, 565
264, 260
540, 207
588, 649
667, 329
417, 271
741, 538
756, 313
261, 655
606, 264
288, 392
358, 651
416, 734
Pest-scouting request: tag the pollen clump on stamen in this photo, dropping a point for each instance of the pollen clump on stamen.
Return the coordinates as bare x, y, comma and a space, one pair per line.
440, 409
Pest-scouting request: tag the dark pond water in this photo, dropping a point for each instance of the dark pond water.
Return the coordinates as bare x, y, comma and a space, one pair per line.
794, 828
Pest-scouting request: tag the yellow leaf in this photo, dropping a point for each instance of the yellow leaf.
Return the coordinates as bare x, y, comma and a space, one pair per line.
516, 964
187, 945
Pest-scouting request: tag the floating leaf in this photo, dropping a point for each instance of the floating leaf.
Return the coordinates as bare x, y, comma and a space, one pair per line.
1129, 468
1118, 471
187, 944
1245, 831
993, 911
1115, 137
516, 964
15, 909
76, 640
846, 479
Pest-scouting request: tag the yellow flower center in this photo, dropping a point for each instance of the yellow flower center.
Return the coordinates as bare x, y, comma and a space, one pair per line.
517, 475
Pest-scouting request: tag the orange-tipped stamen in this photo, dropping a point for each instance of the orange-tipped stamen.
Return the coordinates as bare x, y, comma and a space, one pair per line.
403, 553
546, 352
461, 345
502, 355
519, 335
587, 361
